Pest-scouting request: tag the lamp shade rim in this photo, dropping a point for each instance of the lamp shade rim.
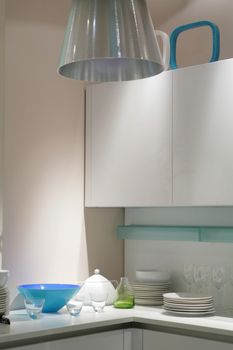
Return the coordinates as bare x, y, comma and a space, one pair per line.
115, 69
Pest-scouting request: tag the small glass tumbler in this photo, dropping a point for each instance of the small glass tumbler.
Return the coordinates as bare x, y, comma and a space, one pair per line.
98, 300
74, 305
34, 307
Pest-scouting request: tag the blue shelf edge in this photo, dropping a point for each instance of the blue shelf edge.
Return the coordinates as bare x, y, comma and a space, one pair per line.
176, 233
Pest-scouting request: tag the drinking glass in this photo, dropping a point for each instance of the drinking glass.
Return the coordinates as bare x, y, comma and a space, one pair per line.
98, 299
34, 307
74, 305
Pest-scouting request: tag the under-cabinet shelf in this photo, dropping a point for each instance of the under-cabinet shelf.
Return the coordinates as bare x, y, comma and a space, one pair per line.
176, 233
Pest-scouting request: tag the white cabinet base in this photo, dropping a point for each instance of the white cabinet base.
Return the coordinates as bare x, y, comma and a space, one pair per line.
153, 340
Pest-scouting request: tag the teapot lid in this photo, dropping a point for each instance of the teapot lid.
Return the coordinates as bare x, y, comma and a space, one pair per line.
97, 277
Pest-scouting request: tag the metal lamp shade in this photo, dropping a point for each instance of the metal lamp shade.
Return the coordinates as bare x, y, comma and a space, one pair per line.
110, 40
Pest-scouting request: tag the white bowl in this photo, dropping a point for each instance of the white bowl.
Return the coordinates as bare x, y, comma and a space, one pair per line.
152, 276
4, 274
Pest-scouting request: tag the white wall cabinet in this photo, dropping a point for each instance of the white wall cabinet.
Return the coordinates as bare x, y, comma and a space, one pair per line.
203, 135
153, 340
113, 340
162, 141
128, 143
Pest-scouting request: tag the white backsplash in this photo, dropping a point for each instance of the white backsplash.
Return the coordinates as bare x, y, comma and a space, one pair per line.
176, 256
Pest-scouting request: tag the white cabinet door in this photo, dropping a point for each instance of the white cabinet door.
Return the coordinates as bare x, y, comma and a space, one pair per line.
153, 340
203, 135
128, 143
113, 340
133, 339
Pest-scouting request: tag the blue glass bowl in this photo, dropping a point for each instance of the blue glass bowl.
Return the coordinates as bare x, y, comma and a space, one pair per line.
55, 295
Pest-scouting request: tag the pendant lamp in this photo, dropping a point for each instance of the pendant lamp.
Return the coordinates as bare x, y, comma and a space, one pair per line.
110, 40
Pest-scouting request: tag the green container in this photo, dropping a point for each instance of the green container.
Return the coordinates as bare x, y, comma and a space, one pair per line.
125, 295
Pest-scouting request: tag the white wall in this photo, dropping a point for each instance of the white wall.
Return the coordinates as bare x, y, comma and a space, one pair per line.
44, 229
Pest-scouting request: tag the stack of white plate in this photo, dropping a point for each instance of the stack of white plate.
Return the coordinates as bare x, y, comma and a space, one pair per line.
149, 293
187, 304
4, 301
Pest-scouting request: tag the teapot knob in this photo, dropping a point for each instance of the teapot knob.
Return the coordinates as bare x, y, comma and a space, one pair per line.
96, 271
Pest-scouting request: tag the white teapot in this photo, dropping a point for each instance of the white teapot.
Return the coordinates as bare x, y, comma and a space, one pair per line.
99, 283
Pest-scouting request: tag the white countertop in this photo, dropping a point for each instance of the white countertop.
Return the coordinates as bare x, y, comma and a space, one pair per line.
24, 329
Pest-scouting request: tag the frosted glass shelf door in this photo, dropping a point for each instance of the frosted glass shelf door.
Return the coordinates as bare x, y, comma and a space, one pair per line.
202, 135
128, 143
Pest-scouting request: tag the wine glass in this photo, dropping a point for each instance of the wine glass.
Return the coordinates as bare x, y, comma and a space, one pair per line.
201, 276
219, 280
188, 276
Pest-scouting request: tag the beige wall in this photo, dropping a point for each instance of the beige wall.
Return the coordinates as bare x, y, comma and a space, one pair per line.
45, 235
104, 250
44, 230
46, 238
43, 182
194, 47
2, 39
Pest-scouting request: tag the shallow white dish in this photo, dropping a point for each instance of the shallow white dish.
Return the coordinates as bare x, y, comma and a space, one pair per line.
152, 276
150, 286
190, 306
186, 297
187, 309
148, 302
190, 314
4, 275
149, 294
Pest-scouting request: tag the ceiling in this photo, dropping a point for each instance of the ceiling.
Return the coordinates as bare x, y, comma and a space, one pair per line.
162, 11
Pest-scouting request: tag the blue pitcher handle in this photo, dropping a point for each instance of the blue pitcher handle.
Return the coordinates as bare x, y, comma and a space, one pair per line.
215, 40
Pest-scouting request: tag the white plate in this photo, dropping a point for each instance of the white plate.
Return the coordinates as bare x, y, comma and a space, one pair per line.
152, 276
188, 306
189, 310
3, 309
161, 290
141, 298
149, 292
150, 284
148, 302
190, 314
186, 296
151, 287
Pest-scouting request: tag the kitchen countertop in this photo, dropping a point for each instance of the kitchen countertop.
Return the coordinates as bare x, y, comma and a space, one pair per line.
61, 325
